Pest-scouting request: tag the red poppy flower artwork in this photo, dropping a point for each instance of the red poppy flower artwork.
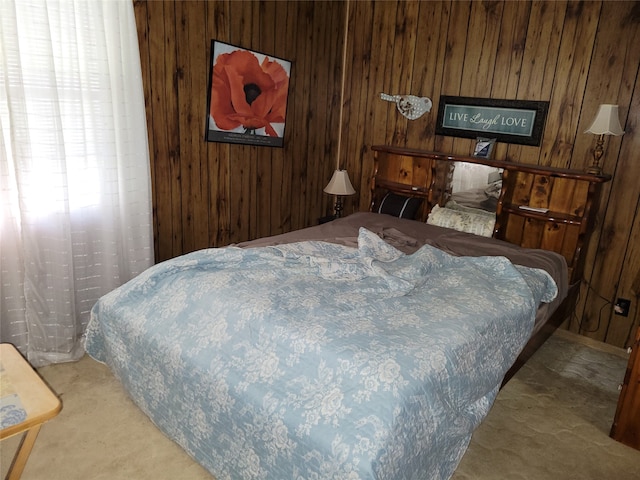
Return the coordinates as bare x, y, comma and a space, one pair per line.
247, 96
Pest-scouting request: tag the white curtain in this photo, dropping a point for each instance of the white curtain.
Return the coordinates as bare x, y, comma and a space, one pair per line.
75, 219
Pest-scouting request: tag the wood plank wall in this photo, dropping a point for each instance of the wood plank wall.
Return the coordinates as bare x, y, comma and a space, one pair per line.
213, 194
576, 55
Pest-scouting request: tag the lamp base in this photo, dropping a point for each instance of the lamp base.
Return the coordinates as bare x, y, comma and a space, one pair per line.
594, 170
338, 206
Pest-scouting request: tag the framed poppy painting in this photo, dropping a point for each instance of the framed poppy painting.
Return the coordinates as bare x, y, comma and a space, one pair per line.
247, 96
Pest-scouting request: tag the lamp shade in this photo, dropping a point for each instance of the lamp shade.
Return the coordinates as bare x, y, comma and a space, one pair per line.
607, 122
339, 184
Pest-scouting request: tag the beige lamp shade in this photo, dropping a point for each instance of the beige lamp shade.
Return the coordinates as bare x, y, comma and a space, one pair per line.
339, 184
607, 122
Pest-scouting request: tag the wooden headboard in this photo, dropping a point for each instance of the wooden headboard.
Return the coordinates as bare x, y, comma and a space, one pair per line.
567, 200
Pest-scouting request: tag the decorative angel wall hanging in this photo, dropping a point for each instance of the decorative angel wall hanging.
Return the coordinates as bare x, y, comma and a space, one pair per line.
410, 106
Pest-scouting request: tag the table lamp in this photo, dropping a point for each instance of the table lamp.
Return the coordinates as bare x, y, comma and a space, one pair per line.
339, 185
607, 122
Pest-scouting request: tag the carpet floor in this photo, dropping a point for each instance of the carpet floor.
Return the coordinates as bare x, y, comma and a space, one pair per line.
551, 421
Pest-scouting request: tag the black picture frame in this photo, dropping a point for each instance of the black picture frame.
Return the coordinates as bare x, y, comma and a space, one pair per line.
252, 113
509, 121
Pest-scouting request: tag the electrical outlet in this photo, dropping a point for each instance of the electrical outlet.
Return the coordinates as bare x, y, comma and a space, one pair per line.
622, 307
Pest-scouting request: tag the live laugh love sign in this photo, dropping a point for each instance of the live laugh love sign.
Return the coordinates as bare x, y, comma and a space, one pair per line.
510, 121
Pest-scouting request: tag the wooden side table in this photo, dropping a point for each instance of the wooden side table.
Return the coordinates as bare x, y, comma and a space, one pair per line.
19, 380
326, 219
626, 423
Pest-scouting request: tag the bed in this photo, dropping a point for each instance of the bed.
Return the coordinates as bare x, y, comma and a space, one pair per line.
369, 347
349, 383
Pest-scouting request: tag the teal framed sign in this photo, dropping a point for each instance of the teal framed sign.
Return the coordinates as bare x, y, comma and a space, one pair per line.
509, 121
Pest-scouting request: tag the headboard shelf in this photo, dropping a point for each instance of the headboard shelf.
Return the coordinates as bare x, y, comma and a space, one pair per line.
549, 216
538, 207
402, 187
508, 165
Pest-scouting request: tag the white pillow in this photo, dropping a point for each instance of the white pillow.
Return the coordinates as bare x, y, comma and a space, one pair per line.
468, 222
493, 189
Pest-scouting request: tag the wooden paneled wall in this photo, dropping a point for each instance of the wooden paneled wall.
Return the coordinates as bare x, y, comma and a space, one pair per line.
213, 194
576, 55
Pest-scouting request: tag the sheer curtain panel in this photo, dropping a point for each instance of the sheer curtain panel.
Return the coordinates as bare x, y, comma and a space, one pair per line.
75, 218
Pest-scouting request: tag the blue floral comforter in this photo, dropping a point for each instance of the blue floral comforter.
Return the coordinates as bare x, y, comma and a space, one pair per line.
319, 361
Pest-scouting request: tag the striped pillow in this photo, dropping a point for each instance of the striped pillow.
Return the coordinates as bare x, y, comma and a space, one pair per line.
400, 206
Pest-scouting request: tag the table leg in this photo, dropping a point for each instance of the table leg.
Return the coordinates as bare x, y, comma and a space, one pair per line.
23, 452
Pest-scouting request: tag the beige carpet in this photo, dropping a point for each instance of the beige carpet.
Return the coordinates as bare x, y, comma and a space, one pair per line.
550, 422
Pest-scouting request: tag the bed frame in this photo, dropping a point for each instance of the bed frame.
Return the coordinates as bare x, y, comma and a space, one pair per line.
538, 207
